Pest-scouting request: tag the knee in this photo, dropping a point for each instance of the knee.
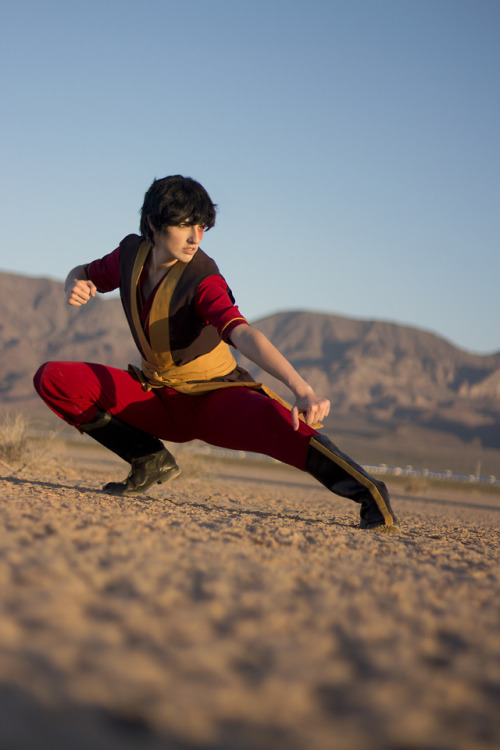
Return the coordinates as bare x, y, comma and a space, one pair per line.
48, 379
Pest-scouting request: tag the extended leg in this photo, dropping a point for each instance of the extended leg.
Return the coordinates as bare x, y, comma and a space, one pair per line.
247, 420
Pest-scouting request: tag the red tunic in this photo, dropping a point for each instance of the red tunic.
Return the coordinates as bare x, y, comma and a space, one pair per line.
213, 303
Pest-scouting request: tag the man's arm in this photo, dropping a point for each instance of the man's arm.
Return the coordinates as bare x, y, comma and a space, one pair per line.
256, 347
78, 288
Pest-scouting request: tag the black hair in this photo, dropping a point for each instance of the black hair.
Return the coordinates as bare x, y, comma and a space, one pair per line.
174, 200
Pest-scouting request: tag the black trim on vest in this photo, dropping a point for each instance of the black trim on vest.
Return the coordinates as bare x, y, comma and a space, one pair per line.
128, 251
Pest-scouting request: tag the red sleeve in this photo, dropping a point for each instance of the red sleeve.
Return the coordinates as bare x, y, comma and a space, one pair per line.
215, 306
105, 273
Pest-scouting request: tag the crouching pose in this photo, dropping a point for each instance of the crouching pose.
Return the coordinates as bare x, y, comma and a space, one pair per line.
183, 318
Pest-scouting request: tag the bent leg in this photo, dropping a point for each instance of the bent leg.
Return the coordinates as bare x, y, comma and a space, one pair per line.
89, 397
76, 391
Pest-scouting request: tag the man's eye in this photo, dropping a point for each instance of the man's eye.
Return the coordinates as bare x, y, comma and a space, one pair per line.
186, 224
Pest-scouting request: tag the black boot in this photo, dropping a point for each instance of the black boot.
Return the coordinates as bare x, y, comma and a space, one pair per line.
340, 474
151, 462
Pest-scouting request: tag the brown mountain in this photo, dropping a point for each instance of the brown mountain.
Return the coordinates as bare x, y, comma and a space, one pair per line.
375, 373
36, 325
391, 374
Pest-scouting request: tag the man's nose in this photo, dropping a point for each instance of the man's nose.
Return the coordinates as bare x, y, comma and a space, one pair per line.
195, 234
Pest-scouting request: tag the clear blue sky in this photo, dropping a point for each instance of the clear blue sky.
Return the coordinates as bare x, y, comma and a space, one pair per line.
352, 146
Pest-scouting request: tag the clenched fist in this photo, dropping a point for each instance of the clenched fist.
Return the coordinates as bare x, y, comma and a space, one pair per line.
79, 291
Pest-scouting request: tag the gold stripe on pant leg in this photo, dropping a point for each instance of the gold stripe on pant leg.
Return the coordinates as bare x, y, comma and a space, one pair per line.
361, 478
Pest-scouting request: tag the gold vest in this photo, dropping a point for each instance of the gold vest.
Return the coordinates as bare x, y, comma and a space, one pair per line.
157, 366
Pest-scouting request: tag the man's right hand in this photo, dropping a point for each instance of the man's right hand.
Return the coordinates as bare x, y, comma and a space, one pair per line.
78, 292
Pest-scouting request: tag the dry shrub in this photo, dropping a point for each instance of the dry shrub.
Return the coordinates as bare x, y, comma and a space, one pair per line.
13, 439
18, 449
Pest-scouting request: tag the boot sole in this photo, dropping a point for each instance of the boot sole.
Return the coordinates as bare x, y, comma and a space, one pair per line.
120, 490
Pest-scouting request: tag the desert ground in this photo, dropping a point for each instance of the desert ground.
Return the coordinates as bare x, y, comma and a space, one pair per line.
239, 608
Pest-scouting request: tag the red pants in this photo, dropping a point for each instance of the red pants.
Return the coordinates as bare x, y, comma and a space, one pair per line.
237, 417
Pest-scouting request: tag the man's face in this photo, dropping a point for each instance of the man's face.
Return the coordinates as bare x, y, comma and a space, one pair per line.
178, 242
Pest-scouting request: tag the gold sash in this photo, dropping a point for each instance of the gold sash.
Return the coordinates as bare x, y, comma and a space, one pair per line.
205, 386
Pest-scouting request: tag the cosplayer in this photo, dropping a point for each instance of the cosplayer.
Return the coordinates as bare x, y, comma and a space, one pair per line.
184, 321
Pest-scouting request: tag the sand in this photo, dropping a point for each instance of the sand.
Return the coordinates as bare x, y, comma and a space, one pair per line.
240, 608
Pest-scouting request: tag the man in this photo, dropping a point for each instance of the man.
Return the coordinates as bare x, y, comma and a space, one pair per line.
184, 320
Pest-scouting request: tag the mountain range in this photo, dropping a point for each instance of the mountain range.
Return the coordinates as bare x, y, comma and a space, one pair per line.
377, 374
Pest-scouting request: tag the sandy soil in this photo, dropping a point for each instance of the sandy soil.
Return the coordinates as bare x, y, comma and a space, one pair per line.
240, 608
